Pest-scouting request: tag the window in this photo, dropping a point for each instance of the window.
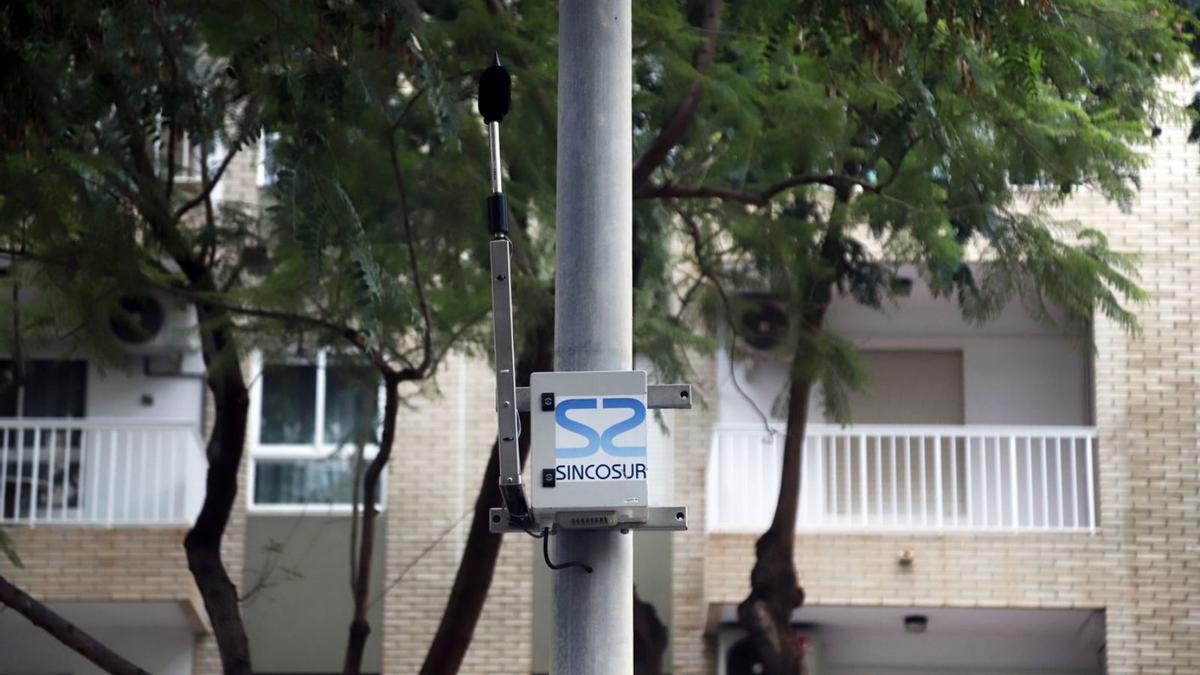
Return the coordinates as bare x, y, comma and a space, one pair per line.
266, 174
311, 416
904, 387
289, 404
304, 481
40, 389
187, 154
43, 388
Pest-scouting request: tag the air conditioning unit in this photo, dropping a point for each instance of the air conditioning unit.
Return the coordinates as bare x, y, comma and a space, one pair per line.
736, 654
761, 321
147, 324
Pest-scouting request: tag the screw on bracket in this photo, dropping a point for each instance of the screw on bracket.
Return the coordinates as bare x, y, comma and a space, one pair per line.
548, 402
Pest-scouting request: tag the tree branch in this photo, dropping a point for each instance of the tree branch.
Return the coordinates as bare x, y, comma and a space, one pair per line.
360, 628
65, 632
207, 186
414, 269
170, 158
706, 272
668, 137
208, 240
837, 181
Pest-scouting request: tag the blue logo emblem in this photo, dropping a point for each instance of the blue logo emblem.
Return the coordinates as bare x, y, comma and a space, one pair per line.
597, 439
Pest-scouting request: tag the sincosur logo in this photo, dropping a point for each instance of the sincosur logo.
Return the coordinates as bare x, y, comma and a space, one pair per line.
600, 438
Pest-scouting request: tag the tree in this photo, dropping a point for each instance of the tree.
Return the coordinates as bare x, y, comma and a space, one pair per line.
102, 105
787, 143
852, 140
356, 100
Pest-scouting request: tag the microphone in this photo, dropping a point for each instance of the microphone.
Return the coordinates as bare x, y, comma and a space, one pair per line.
495, 92
495, 95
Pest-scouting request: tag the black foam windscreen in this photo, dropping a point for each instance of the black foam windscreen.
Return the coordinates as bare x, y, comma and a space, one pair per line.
495, 92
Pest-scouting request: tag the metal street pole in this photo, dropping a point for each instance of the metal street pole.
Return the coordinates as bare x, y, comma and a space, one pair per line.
593, 305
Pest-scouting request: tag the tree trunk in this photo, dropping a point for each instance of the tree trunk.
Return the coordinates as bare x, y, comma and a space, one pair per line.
360, 627
224, 450
774, 590
478, 563
65, 632
474, 576
650, 638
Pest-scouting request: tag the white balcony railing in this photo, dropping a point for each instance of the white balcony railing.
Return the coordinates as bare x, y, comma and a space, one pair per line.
908, 478
99, 472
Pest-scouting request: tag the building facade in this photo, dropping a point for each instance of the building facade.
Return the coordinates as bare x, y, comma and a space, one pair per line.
1005, 500
1034, 501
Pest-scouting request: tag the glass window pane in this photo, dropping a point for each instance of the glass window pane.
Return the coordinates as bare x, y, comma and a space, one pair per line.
55, 389
8, 389
351, 393
289, 404
304, 481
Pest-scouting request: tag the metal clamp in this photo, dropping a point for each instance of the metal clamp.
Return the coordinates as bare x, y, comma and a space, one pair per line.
658, 396
653, 518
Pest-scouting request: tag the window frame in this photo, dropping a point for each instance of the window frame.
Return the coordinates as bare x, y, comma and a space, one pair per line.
317, 450
23, 390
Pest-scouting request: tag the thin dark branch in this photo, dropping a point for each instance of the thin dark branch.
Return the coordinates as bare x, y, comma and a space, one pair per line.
207, 186
352, 335
685, 299
835, 180
360, 627
897, 162
414, 268
209, 247
407, 108
454, 337
420, 556
170, 127
355, 523
143, 173
671, 132
65, 632
706, 272
168, 47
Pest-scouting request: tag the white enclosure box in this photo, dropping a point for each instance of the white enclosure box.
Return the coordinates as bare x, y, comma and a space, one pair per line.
589, 445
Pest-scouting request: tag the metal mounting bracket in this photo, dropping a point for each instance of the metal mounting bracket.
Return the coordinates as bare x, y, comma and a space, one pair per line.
511, 489
658, 396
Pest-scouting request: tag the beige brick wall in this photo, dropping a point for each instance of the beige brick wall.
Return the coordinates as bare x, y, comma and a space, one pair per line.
692, 653
1142, 567
68, 564
441, 450
1148, 395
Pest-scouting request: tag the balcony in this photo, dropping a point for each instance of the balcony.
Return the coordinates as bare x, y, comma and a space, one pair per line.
908, 478
100, 472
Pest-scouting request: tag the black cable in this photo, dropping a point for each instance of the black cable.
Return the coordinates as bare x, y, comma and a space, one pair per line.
546, 554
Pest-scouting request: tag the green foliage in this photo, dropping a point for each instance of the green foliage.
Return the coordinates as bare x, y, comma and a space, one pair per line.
837, 148
845, 147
